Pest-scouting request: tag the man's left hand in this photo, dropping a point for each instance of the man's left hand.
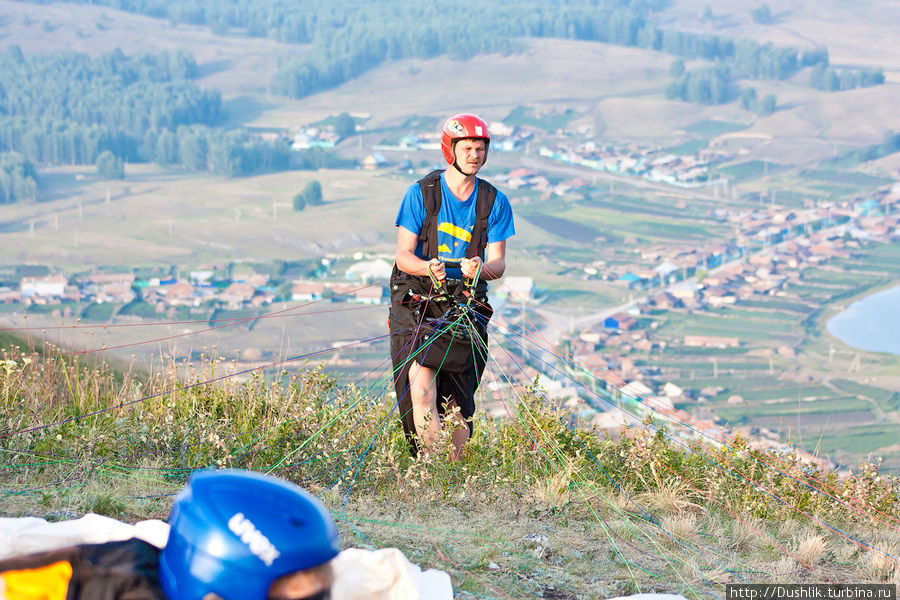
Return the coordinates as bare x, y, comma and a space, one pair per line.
470, 266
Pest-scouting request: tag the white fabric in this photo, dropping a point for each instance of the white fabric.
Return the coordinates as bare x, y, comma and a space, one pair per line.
386, 574
27, 535
651, 597
377, 574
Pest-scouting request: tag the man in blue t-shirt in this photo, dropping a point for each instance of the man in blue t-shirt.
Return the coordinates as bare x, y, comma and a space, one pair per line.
426, 393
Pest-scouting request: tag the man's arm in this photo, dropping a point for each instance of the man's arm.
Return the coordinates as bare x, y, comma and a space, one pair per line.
494, 265
406, 258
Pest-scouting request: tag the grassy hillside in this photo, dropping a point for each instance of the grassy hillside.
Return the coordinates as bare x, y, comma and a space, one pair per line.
533, 508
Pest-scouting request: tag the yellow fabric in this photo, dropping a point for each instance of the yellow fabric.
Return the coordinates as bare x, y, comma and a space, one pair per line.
457, 232
50, 582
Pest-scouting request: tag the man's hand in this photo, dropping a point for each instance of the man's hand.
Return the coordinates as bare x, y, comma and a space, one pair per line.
470, 267
437, 269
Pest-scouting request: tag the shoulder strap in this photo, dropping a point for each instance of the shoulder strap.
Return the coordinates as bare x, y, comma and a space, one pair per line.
484, 204
431, 196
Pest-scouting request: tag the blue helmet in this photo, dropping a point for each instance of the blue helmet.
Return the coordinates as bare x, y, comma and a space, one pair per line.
232, 533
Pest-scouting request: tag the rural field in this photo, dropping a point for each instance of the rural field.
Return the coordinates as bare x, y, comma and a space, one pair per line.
545, 503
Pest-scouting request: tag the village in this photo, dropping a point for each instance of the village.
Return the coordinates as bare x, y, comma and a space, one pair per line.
769, 248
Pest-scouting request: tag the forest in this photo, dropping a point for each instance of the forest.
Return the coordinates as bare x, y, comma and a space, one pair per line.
347, 38
18, 179
71, 108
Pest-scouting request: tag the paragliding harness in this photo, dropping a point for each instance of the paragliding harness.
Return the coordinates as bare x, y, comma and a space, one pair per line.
445, 320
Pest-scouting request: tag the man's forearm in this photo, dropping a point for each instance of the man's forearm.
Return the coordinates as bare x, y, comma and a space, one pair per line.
493, 269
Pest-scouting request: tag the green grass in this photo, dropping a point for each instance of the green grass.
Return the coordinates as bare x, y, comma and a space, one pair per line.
688, 148
748, 169
776, 304
859, 441
552, 121
847, 177
787, 392
880, 395
140, 309
564, 228
99, 312
714, 127
828, 407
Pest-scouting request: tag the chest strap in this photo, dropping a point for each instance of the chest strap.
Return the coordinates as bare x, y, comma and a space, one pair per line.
431, 196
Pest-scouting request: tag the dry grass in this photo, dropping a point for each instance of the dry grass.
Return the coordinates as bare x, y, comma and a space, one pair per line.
519, 513
204, 217
810, 550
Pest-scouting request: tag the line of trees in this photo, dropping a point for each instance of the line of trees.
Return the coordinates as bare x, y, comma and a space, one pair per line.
711, 85
823, 78
348, 38
76, 110
310, 196
890, 143
69, 108
18, 179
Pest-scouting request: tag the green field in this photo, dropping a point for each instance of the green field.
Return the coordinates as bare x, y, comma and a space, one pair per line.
712, 127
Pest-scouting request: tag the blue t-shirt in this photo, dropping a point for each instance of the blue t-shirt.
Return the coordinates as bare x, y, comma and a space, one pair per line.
456, 219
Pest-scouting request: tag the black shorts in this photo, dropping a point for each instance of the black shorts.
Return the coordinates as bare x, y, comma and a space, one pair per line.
460, 387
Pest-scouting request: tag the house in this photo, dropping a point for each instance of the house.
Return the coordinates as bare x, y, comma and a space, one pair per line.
665, 269
8, 296
262, 297
636, 389
50, 286
116, 292
370, 270
684, 290
520, 177
711, 341
719, 296
518, 289
666, 301
372, 294
619, 321
630, 279
237, 295
343, 291
180, 293
374, 161
597, 334
307, 291
101, 279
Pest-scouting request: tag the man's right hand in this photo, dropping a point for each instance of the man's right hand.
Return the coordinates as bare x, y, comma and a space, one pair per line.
437, 269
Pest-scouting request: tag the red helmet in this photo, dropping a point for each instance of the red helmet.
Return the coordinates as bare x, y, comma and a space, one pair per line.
463, 126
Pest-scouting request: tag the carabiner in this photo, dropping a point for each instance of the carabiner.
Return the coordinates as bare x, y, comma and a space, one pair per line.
470, 284
436, 283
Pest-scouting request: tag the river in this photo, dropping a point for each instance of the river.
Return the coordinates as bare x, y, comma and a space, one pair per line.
872, 323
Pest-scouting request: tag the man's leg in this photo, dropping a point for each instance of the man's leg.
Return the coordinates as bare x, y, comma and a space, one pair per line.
423, 395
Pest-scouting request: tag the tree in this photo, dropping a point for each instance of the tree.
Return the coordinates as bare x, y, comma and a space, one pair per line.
299, 202
768, 104
749, 100
345, 125
109, 166
762, 15
18, 179
312, 193
676, 68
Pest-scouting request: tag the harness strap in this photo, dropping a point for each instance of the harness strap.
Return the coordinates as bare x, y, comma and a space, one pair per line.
431, 197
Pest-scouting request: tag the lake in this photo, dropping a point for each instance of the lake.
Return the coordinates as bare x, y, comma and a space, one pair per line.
872, 323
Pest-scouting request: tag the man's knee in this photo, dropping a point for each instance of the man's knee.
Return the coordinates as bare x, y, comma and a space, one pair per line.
422, 385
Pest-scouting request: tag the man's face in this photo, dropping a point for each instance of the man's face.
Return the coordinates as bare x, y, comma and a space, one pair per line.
470, 155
